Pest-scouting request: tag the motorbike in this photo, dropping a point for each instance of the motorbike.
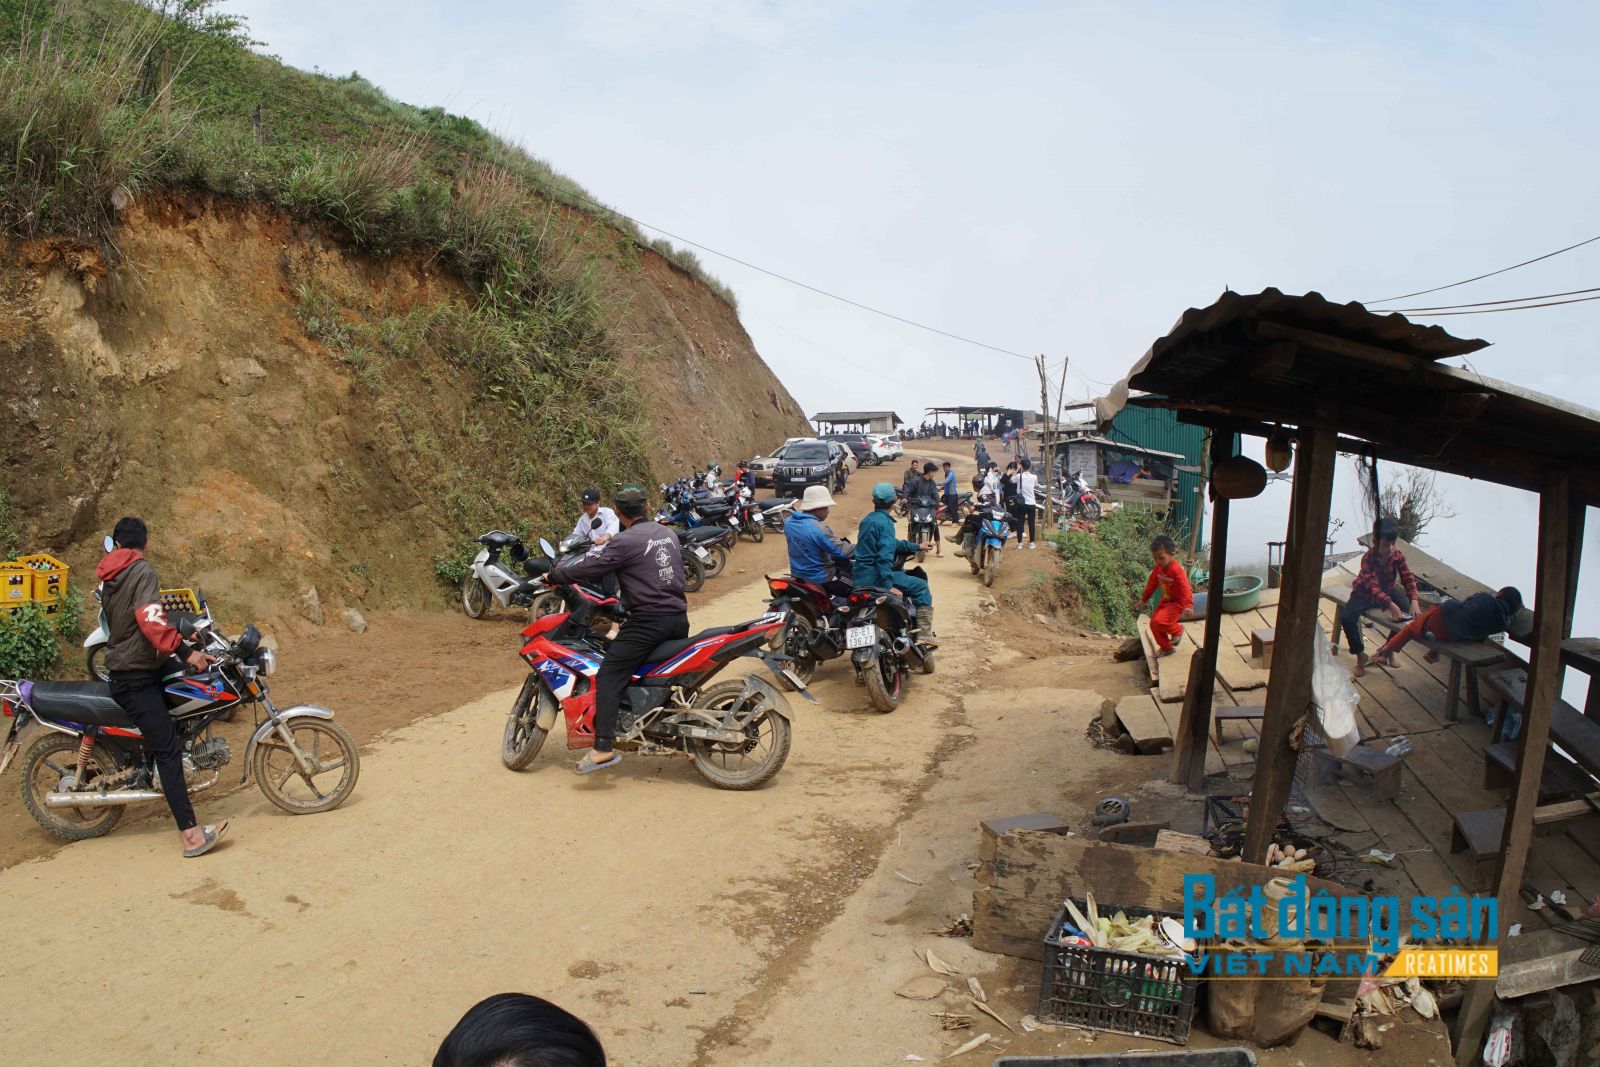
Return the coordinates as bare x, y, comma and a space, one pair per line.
963, 509
882, 639
989, 543
774, 512
1082, 501
815, 616
90, 761
736, 733
493, 583
924, 526
748, 518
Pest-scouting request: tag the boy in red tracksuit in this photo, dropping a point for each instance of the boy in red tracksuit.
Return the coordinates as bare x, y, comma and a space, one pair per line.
1176, 596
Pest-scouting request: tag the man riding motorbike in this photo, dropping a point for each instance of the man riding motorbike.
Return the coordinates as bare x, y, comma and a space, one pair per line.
924, 494
967, 537
138, 658
608, 528
873, 561
646, 560
812, 547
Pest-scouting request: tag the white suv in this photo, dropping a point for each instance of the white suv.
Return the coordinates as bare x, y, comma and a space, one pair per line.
885, 447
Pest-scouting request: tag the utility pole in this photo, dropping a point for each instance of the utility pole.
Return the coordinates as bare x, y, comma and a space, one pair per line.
1045, 436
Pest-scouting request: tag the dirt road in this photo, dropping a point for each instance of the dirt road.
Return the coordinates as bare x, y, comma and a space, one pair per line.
688, 925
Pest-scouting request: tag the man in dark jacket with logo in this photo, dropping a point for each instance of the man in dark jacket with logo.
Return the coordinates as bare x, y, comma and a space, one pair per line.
139, 655
646, 560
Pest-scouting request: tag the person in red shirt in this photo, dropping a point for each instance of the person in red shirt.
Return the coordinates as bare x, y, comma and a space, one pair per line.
1176, 596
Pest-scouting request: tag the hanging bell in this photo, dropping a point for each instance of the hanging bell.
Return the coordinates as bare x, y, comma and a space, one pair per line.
1237, 478
1280, 449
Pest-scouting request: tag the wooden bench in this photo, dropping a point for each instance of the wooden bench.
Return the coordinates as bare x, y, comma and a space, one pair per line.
1261, 642
1377, 770
1562, 779
1466, 657
1228, 713
1570, 729
1480, 833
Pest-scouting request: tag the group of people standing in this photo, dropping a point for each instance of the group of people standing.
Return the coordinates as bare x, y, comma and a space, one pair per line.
1016, 490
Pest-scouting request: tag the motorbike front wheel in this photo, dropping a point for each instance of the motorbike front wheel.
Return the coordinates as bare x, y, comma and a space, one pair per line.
991, 566
332, 765
694, 575
524, 737
719, 560
746, 766
53, 758
94, 661
884, 682
1091, 510
474, 597
545, 604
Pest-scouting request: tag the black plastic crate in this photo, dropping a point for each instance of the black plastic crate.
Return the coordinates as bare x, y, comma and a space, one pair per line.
1211, 1057
1123, 992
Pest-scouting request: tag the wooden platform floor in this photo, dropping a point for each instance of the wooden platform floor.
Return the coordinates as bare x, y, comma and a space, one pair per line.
1443, 775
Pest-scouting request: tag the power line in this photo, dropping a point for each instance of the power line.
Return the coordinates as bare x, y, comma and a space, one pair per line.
1480, 277
1523, 307
1485, 303
852, 363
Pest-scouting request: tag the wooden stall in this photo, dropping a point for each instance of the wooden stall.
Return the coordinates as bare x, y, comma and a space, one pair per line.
1337, 379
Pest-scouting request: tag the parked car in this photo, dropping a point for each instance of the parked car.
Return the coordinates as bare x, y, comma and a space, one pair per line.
860, 448
804, 463
884, 447
763, 466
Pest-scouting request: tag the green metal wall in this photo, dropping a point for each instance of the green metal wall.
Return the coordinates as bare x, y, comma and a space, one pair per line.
1160, 429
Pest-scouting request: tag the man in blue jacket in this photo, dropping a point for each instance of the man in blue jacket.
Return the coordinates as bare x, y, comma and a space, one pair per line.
873, 564
812, 548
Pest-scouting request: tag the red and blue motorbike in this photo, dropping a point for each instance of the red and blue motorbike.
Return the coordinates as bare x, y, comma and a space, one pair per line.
735, 732
90, 762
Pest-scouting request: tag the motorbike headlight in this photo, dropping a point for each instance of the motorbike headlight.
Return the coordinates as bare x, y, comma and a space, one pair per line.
267, 662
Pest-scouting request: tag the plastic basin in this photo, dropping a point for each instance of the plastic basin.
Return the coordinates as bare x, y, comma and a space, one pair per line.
1241, 592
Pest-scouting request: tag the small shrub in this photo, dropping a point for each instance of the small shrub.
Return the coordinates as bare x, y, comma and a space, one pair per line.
28, 643
450, 568
10, 533
1103, 573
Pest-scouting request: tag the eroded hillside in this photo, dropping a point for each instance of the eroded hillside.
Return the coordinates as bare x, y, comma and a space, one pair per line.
289, 412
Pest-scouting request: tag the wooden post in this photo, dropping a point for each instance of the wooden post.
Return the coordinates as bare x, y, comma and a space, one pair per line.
1205, 482
1289, 688
1544, 687
1194, 725
1577, 513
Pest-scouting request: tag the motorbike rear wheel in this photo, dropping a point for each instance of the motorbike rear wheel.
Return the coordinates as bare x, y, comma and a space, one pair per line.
761, 757
50, 759
545, 604
796, 639
719, 560
1091, 510
885, 682
756, 533
524, 737
475, 598
328, 747
694, 575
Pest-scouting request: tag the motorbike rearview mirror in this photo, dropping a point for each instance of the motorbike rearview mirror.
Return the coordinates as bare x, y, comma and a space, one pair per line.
595, 523
547, 548
111, 545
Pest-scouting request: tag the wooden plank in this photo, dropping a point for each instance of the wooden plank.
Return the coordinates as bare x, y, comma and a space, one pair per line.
1188, 844
1193, 747
1539, 961
1174, 677
1289, 691
1029, 875
1144, 723
1148, 640
1544, 689
1239, 675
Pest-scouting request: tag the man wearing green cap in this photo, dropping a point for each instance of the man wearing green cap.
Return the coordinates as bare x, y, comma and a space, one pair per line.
648, 564
873, 563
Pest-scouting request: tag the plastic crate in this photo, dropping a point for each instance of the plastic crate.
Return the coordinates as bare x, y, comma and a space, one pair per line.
1122, 992
16, 584
1211, 1057
180, 600
49, 579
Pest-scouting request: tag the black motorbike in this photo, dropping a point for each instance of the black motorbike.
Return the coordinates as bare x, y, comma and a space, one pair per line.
88, 761
883, 640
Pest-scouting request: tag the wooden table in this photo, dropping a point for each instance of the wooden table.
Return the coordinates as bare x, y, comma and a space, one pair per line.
1583, 654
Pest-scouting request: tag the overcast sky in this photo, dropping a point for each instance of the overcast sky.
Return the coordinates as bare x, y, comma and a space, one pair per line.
1063, 178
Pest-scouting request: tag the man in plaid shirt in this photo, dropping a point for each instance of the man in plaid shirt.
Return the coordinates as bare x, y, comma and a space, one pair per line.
1384, 582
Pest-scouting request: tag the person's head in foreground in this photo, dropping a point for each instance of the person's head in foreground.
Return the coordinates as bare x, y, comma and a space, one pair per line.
1162, 550
1511, 597
1384, 535
518, 1030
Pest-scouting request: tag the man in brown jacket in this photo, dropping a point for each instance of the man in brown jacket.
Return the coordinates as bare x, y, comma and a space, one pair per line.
139, 657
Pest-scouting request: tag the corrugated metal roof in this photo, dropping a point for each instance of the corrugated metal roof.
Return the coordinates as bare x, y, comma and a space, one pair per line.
854, 416
1248, 362
1120, 446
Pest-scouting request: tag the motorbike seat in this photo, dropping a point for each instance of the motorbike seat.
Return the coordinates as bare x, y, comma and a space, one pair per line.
498, 539
88, 703
668, 649
702, 533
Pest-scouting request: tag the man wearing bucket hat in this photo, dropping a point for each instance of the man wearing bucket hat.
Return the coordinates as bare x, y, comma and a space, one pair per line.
873, 561
813, 550
646, 561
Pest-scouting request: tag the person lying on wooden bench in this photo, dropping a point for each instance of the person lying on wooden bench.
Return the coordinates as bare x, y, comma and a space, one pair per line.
1472, 619
1385, 581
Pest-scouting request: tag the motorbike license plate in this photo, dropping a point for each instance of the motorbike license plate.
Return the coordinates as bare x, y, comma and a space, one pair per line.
861, 636
705, 557
758, 518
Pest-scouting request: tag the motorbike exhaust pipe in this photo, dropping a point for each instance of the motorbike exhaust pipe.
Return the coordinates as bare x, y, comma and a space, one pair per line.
117, 798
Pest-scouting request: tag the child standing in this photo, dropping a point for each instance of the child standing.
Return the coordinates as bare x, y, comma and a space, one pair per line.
1176, 596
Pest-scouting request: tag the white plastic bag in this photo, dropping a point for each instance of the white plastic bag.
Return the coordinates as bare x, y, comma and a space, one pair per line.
1336, 698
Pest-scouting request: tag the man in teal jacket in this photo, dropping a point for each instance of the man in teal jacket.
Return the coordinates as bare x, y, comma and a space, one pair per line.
873, 564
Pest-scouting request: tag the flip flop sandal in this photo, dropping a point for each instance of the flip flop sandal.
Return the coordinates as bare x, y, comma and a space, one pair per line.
213, 835
589, 765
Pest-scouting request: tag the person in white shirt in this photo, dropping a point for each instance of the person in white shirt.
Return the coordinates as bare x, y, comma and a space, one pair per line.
609, 526
1027, 506
991, 480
